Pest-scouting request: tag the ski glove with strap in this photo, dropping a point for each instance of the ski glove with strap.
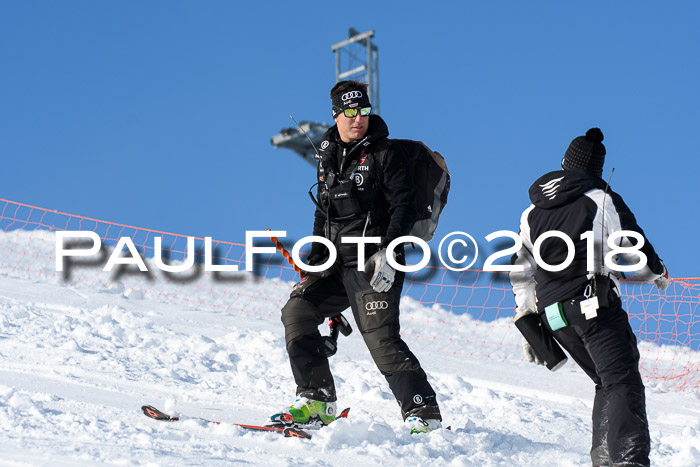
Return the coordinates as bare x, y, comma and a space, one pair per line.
383, 277
317, 255
662, 282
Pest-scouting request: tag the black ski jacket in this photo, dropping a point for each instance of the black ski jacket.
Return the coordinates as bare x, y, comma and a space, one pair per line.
365, 188
573, 202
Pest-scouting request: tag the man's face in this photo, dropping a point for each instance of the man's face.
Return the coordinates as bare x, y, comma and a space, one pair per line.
352, 129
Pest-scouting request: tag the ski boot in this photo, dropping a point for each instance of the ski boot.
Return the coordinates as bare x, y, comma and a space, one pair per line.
305, 413
419, 425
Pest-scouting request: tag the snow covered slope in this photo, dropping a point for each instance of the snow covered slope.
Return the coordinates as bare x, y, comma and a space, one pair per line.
78, 359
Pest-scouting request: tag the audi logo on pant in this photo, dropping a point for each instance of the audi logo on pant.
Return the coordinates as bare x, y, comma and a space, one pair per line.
351, 95
371, 306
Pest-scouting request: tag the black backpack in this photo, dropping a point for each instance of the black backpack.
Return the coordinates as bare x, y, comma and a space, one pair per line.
432, 181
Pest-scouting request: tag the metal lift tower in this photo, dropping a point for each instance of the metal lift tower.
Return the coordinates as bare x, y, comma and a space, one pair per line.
356, 58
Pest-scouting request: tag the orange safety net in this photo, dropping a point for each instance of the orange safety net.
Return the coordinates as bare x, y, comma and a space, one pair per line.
466, 314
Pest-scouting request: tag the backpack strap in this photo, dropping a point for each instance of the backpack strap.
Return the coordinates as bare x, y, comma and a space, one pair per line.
385, 152
379, 160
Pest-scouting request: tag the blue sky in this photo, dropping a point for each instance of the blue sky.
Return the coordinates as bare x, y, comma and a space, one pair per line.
159, 114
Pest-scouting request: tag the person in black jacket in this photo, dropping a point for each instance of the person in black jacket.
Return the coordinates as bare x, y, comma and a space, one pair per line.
580, 304
365, 189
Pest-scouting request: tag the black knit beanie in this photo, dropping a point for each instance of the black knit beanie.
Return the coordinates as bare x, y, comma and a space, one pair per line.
586, 152
350, 98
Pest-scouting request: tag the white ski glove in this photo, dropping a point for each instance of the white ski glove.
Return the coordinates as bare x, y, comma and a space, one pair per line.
530, 354
383, 277
662, 282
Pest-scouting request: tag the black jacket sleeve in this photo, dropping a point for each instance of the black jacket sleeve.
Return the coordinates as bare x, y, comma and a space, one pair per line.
400, 192
319, 214
318, 251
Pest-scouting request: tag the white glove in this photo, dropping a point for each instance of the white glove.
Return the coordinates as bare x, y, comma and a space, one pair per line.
383, 277
530, 354
662, 282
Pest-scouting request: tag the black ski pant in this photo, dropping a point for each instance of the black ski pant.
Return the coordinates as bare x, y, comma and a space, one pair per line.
377, 317
606, 349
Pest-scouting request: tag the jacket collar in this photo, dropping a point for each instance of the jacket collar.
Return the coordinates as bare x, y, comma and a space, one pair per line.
377, 130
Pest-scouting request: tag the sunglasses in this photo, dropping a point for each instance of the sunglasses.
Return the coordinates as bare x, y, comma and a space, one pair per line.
352, 113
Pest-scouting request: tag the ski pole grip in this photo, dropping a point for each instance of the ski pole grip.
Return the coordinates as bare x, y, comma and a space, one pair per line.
344, 325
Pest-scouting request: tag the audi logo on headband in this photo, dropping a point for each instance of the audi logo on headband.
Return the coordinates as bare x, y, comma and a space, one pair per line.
351, 95
371, 306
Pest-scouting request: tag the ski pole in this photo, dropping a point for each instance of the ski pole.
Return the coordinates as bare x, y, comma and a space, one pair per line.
285, 253
337, 323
